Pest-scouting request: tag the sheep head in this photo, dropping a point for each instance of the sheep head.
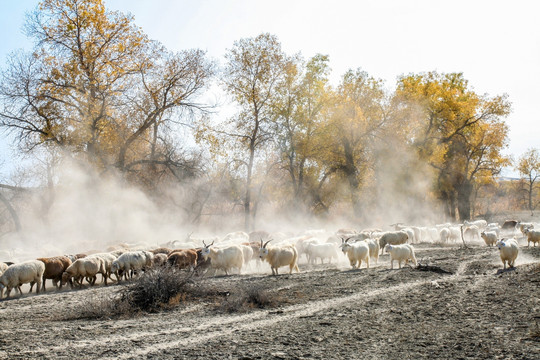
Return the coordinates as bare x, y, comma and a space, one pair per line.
345, 246
206, 249
263, 251
65, 278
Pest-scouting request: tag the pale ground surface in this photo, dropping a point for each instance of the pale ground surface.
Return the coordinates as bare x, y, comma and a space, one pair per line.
324, 312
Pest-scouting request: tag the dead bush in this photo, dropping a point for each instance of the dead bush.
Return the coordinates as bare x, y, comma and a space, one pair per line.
154, 290
245, 298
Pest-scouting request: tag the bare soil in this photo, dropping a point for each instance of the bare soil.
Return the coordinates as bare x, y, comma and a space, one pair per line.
457, 304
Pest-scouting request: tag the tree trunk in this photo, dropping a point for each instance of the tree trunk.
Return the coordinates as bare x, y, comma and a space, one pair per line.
445, 201
12, 212
352, 177
247, 199
464, 192
452, 206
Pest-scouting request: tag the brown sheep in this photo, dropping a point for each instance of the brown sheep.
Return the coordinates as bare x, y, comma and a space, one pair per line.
202, 263
54, 267
183, 259
160, 259
161, 250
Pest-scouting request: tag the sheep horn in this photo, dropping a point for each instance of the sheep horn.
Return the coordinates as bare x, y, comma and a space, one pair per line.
266, 243
349, 238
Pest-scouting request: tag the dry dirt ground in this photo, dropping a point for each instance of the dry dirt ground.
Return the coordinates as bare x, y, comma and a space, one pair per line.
475, 311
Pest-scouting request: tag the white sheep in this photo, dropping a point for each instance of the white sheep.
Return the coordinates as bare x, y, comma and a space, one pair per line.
247, 252
236, 238
356, 252
321, 251
412, 231
481, 224
393, 238
17, 274
225, 258
525, 226
302, 244
433, 234
455, 233
532, 236
444, 235
84, 268
495, 228
3, 267
404, 252
373, 248
129, 263
471, 233
333, 239
279, 256
509, 250
108, 259
490, 237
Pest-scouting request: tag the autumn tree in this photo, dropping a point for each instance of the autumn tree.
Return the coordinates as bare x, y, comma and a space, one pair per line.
253, 68
458, 132
357, 119
528, 166
96, 85
298, 114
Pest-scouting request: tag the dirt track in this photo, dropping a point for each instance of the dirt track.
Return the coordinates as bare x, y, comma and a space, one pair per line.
326, 311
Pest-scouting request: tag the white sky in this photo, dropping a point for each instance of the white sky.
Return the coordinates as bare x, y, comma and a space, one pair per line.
496, 44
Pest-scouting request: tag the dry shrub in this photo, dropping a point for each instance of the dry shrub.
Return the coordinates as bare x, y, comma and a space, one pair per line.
247, 297
154, 290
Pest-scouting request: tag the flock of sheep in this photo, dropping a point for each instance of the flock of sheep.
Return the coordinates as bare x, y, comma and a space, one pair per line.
238, 250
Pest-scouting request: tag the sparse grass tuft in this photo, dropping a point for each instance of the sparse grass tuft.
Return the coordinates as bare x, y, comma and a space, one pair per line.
246, 298
534, 332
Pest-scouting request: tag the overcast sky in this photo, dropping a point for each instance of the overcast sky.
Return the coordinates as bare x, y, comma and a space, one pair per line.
496, 44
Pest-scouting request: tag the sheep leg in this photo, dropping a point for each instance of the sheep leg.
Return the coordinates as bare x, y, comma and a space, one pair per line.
38, 285
31, 286
367, 262
399, 262
392, 264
